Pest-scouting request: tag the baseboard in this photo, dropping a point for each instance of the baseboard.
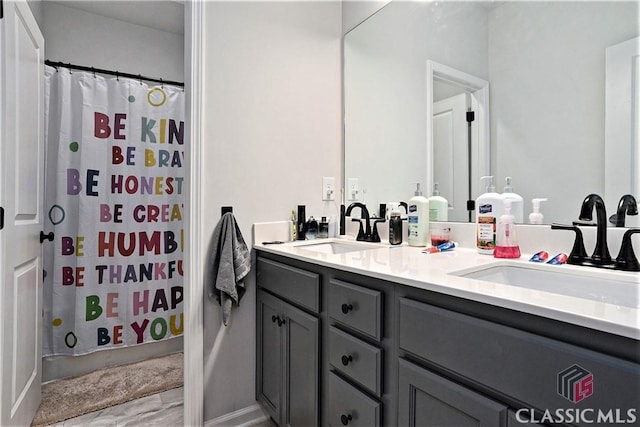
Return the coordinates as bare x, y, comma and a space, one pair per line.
244, 417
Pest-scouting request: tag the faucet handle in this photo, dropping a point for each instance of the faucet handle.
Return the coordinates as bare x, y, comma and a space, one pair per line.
626, 259
375, 236
361, 235
578, 253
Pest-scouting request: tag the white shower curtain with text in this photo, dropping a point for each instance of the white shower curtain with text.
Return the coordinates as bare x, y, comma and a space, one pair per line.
114, 200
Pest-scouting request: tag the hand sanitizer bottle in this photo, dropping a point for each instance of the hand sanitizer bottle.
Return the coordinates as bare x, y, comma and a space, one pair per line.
536, 216
517, 202
506, 238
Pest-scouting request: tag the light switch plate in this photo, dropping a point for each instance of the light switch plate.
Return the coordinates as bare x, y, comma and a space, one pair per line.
328, 188
352, 189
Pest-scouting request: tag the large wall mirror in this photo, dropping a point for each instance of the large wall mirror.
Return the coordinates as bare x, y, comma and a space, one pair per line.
545, 66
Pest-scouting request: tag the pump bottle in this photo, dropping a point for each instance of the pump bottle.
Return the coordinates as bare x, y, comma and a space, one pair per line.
506, 239
488, 209
438, 206
517, 202
418, 219
536, 216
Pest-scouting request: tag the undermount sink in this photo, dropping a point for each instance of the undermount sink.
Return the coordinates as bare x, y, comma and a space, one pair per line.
337, 247
599, 286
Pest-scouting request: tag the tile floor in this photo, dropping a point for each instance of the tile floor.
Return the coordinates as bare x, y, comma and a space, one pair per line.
162, 410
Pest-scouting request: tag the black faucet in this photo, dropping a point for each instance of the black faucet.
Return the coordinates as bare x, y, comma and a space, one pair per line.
626, 259
600, 256
626, 206
364, 235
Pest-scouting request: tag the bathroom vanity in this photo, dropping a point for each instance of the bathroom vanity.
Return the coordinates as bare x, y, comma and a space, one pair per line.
387, 336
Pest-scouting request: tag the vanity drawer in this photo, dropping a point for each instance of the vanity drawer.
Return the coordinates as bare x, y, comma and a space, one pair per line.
348, 406
290, 283
357, 307
356, 359
530, 368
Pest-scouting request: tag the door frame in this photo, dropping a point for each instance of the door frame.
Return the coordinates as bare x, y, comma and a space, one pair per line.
194, 252
479, 90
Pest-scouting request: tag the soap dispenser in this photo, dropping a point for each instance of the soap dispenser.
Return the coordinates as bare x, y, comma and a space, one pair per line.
418, 219
517, 202
506, 239
438, 206
536, 216
488, 209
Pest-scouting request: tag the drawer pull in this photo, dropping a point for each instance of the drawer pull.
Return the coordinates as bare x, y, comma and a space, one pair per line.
347, 359
346, 308
275, 319
345, 419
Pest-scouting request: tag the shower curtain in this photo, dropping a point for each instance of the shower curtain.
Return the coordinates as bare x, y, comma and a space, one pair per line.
114, 201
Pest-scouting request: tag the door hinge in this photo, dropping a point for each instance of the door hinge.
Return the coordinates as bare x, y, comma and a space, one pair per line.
471, 116
1, 218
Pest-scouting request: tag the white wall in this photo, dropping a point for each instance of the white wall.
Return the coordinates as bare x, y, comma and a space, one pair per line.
84, 38
385, 89
273, 130
562, 126
88, 39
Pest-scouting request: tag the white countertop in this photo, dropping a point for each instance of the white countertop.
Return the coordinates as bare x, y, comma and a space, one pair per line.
409, 266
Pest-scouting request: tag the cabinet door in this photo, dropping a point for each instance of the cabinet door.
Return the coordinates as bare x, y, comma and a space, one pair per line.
426, 399
269, 386
301, 351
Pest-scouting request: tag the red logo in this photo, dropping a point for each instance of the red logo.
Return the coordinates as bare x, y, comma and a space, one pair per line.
575, 383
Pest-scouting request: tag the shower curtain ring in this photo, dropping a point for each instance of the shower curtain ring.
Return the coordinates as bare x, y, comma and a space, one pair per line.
93, 70
140, 78
117, 76
161, 84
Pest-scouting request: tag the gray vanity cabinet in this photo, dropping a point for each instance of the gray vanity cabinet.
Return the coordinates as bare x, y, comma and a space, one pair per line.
427, 399
288, 352
394, 355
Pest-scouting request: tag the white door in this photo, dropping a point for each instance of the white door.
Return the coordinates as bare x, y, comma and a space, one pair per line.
21, 197
451, 154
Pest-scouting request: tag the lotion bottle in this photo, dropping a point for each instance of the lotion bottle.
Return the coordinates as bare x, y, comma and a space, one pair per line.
488, 209
418, 219
517, 202
438, 206
506, 239
536, 216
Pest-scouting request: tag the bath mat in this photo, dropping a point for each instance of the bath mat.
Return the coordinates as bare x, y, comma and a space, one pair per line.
72, 397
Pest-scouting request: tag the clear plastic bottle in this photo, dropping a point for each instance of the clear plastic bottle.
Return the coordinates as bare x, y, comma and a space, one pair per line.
506, 236
517, 202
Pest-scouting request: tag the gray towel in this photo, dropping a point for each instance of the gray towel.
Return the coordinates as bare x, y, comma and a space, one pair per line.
230, 262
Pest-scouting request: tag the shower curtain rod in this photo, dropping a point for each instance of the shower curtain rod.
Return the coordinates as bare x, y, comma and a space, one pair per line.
111, 73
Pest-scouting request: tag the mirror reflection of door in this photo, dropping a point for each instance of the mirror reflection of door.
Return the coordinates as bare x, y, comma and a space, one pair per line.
451, 154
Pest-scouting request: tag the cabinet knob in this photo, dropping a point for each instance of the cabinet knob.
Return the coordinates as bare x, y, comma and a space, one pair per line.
346, 308
345, 419
275, 319
347, 359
